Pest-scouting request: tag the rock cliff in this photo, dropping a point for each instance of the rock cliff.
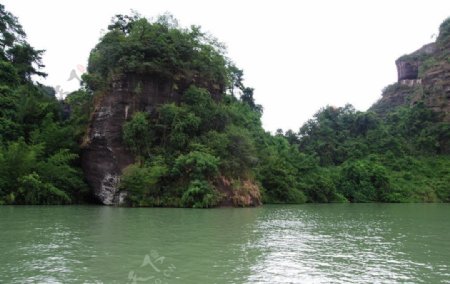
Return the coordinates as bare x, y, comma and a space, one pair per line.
141, 65
408, 65
423, 76
104, 155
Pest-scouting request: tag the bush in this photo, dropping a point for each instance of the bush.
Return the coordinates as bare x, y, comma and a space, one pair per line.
320, 186
34, 191
364, 181
143, 183
200, 194
196, 165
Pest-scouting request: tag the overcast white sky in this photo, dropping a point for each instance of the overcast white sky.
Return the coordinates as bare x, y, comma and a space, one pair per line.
298, 55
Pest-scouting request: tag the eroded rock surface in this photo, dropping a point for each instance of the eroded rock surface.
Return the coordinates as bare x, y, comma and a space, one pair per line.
104, 153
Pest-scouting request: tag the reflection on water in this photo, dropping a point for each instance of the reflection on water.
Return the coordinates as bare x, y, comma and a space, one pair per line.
347, 243
351, 244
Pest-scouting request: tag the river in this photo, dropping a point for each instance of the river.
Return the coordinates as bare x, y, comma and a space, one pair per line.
313, 243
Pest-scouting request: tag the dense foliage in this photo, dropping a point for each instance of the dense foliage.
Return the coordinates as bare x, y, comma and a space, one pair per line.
135, 45
184, 149
210, 144
363, 158
38, 148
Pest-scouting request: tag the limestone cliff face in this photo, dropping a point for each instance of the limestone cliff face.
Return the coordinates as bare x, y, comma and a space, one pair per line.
104, 155
423, 76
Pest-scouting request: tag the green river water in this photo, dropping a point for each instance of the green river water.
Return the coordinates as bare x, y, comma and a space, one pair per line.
324, 243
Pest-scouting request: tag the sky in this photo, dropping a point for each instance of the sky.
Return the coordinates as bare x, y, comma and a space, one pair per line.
299, 56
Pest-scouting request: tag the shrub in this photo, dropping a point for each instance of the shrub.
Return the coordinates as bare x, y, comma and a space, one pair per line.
33, 191
196, 165
364, 181
200, 194
143, 183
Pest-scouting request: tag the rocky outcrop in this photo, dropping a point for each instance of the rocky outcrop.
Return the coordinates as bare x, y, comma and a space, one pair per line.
423, 76
407, 70
408, 65
104, 154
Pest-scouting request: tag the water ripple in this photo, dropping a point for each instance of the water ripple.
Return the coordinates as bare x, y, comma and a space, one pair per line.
353, 243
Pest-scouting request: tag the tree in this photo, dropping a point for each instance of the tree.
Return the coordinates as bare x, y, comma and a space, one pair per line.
136, 134
27, 60
247, 97
196, 165
38, 164
364, 181
11, 31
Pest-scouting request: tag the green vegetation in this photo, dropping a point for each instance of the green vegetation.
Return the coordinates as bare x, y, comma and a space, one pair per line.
209, 146
134, 45
403, 158
444, 33
194, 152
184, 149
38, 148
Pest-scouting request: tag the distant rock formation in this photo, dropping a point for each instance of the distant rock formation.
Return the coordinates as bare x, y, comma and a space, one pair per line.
423, 76
408, 65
